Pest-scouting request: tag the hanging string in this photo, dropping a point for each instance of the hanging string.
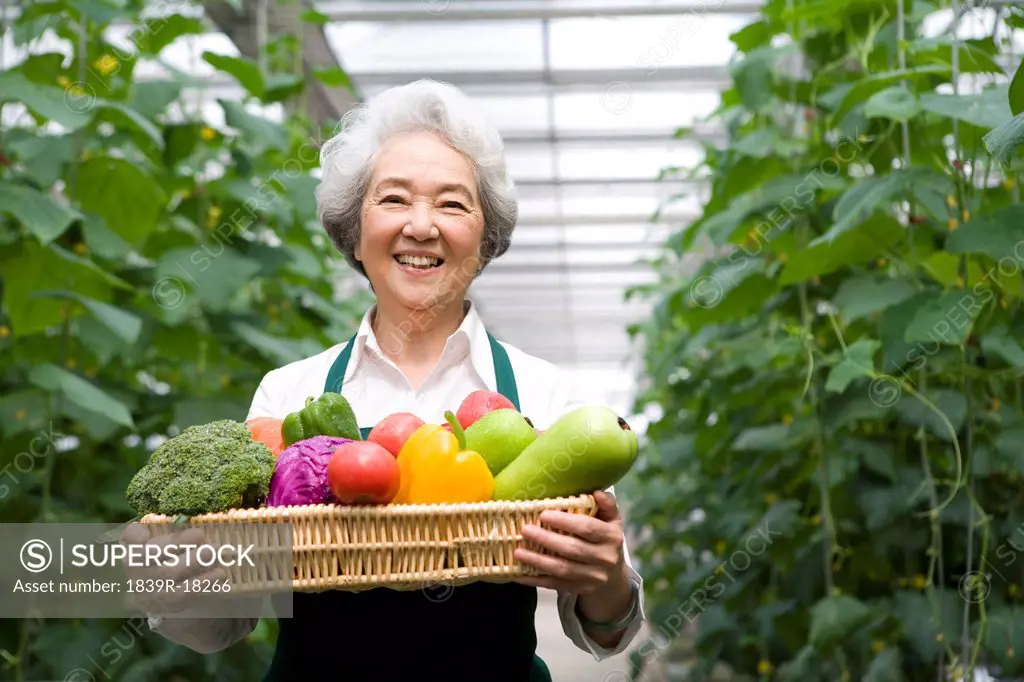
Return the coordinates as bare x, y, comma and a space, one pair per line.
966, 664
261, 36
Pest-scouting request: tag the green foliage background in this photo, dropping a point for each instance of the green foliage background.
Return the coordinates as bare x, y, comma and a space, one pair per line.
153, 269
839, 381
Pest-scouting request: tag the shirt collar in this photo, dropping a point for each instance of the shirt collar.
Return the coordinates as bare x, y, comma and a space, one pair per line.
471, 335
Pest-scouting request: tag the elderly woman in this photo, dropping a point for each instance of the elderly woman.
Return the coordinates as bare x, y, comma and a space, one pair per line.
416, 195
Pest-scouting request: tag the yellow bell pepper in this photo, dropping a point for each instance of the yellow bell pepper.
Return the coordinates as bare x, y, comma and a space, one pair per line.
436, 468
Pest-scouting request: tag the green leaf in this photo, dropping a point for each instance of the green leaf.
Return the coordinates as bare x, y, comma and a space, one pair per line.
1004, 632
38, 268
101, 11
277, 350
878, 192
259, 132
98, 338
858, 361
24, 411
943, 267
151, 98
998, 235
946, 318
242, 69
1002, 141
767, 438
973, 56
38, 212
987, 109
313, 17
768, 142
180, 140
101, 241
50, 103
281, 86
156, 34
752, 36
896, 103
334, 77
125, 115
753, 77
921, 627
860, 244
214, 272
43, 156
1014, 17
886, 666
864, 295
82, 393
951, 403
999, 343
834, 619
128, 199
125, 325
867, 86
779, 198
204, 410
802, 667
873, 456
1017, 91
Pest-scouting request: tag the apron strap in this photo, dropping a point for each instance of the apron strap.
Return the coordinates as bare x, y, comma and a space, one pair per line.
503, 374
504, 377
336, 375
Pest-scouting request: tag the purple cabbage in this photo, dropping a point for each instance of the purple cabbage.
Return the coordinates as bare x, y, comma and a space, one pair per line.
300, 476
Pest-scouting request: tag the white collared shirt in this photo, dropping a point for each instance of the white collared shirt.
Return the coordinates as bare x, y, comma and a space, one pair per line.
375, 387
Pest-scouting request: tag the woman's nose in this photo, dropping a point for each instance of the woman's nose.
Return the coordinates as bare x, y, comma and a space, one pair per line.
421, 223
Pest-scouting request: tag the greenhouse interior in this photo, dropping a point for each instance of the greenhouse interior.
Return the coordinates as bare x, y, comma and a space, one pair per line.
779, 245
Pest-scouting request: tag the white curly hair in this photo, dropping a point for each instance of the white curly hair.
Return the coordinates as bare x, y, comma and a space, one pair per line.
347, 159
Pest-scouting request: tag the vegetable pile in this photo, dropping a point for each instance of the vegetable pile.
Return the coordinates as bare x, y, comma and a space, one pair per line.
487, 450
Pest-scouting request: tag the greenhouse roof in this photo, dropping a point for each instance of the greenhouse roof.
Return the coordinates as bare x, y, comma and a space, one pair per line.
588, 95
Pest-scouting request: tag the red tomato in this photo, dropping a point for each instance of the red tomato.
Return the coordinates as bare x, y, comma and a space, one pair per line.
361, 472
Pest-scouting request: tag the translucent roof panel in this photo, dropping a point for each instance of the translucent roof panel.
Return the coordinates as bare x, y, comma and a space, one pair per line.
648, 42
417, 47
620, 106
598, 161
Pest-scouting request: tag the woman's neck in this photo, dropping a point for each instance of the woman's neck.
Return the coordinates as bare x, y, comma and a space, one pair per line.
414, 339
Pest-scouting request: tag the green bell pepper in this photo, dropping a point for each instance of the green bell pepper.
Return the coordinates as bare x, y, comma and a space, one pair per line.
328, 415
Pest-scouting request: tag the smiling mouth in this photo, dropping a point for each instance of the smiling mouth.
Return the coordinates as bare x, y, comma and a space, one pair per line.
419, 262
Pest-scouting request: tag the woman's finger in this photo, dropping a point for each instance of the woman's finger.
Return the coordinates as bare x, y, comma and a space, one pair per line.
607, 507
544, 581
578, 575
564, 545
580, 525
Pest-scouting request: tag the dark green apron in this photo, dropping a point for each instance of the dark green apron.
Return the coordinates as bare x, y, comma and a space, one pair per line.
476, 632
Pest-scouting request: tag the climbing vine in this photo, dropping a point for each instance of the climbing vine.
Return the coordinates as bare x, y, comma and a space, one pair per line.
157, 259
831, 488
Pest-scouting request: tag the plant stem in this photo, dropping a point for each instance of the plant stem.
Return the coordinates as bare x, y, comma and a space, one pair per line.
829, 538
968, 433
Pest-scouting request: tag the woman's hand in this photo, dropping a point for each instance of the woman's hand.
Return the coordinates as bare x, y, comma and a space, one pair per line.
160, 589
590, 560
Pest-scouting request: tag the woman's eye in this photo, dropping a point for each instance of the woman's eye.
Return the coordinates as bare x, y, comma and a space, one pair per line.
454, 204
393, 199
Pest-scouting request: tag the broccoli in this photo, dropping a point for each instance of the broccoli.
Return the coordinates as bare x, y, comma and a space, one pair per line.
207, 468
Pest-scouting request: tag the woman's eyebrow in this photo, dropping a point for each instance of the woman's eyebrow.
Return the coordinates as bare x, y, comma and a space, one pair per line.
456, 187
393, 181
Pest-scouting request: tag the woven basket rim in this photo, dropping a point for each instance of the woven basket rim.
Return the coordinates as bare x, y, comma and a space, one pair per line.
383, 510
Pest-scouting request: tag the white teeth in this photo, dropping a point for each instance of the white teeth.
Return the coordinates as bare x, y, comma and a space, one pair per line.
418, 261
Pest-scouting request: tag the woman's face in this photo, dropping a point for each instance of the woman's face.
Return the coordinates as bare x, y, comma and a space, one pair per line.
421, 223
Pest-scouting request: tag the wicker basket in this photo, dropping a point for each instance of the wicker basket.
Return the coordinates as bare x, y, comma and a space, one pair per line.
403, 547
